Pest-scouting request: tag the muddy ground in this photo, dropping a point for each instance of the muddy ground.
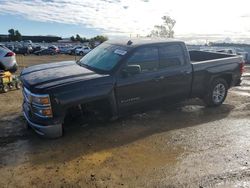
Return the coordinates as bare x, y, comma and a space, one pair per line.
184, 145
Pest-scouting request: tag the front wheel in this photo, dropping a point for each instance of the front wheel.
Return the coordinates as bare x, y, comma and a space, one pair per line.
5, 88
18, 85
217, 93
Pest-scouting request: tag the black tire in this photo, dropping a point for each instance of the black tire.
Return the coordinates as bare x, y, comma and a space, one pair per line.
18, 85
81, 53
5, 88
217, 93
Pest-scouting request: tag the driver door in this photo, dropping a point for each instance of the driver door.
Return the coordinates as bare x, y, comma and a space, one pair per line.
135, 91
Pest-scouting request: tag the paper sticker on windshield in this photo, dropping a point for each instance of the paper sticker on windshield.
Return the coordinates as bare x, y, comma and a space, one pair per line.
120, 52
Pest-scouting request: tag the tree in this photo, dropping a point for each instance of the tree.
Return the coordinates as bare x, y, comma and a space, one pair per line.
14, 35
18, 36
99, 38
72, 38
165, 30
11, 34
78, 38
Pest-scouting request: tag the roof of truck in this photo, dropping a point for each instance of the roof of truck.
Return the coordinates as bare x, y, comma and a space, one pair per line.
139, 42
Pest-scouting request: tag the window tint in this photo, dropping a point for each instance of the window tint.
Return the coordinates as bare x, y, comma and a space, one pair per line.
146, 57
171, 55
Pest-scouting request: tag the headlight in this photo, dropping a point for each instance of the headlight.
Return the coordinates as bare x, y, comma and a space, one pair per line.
37, 99
40, 103
41, 100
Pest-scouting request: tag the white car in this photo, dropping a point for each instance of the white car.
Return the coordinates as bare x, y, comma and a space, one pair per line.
82, 51
7, 59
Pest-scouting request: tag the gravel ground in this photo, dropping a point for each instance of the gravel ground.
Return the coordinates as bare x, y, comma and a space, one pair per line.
184, 145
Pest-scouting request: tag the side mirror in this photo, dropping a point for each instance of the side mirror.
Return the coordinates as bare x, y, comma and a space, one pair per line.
132, 70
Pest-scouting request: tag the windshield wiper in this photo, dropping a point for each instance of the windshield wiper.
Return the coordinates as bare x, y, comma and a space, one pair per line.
78, 62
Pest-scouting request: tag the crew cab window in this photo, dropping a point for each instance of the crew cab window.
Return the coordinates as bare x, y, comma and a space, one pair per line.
171, 56
146, 57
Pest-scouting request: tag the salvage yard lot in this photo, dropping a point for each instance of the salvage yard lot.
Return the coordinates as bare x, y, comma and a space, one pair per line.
184, 145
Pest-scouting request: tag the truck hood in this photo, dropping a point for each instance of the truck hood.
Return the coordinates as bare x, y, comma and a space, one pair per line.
53, 74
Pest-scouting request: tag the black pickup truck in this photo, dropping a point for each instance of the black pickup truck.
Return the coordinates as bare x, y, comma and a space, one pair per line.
119, 77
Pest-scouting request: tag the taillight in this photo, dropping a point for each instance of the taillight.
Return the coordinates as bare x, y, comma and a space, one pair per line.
9, 54
242, 68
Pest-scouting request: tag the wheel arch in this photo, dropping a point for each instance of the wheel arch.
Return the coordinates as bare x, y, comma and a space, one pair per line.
102, 107
227, 77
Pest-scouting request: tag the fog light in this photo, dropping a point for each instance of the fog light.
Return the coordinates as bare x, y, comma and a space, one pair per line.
46, 112
43, 112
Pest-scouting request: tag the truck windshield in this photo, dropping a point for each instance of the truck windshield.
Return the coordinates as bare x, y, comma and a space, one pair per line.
104, 57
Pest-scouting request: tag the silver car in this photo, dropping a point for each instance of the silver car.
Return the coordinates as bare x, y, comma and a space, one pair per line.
7, 59
82, 51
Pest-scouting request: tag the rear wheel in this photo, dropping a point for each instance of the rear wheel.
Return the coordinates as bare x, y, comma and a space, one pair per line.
81, 53
217, 93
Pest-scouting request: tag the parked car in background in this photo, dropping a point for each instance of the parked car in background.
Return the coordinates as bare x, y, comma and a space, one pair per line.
233, 51
37, 48
27, 43
72, 51
45, 52
227, 51
83, 51
10, 47
24, 50
7, 59
244, 55
55, 48
64, 50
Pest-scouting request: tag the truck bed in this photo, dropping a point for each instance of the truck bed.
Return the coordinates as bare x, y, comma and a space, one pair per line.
199, 56
207, 64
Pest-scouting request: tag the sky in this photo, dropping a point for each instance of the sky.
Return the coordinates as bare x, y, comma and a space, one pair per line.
203, 19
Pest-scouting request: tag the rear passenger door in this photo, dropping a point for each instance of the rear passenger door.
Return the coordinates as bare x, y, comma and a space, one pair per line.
175, 70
